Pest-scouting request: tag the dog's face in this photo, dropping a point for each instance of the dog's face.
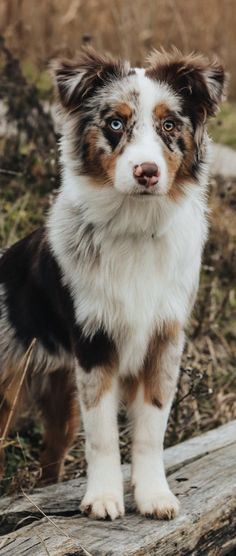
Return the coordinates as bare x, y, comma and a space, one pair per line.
139, 131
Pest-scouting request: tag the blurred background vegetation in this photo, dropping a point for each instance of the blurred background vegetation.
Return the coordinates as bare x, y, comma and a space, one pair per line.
36, 31
33, 32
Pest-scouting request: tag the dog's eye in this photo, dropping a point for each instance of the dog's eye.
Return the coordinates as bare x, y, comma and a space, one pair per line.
116, 125
168, 125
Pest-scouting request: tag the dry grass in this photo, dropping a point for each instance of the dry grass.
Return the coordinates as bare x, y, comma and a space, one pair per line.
36, 31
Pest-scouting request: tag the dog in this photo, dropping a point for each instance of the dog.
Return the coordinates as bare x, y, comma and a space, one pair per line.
97, 300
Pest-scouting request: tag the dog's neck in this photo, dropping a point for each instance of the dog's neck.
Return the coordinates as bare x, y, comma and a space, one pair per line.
113, 213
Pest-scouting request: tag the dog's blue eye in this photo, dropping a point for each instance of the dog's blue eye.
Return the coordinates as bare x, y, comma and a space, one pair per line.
116, 125
168, 125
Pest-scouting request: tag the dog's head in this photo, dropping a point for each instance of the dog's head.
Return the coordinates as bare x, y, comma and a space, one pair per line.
140, 131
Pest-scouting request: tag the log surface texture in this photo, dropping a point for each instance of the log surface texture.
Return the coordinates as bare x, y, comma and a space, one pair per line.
202, 473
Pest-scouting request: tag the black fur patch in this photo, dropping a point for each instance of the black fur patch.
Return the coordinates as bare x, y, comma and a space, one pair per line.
181, 145
168, 139
196, 167
157, 403
40, 306
187, 78
94, 71
95, 351
112, 137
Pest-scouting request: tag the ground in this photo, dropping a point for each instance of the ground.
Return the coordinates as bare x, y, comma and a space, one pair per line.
206, 395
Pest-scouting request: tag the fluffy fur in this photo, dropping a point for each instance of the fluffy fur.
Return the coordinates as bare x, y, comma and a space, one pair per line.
107, 286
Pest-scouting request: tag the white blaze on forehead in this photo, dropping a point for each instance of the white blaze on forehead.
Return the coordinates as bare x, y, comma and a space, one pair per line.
146, 145
152, 93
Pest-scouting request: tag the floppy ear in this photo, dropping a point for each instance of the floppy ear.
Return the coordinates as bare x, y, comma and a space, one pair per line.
78, 79
200, 82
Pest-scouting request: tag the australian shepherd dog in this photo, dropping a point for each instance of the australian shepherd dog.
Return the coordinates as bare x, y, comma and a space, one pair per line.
99, 297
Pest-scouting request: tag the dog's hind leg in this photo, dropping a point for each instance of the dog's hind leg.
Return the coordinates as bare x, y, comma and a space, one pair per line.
59, 408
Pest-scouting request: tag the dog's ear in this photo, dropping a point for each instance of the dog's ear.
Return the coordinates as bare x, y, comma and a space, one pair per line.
201, 83
79, 79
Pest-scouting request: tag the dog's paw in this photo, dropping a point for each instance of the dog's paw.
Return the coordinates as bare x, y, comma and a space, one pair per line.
107, 505
163, 505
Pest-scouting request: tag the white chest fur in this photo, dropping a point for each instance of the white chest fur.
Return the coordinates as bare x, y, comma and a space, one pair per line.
138, 282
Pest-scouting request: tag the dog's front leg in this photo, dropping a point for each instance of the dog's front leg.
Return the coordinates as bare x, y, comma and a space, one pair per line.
150, 410
98, 392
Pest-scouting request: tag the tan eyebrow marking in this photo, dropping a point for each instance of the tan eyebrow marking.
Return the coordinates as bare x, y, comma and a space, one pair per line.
161, 111
124, 110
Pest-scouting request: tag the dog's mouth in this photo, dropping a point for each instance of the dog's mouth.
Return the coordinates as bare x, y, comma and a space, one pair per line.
145, 193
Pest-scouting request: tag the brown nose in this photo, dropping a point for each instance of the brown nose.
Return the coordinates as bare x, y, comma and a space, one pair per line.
147, 173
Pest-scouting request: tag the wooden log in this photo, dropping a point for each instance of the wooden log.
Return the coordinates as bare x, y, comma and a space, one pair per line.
62, 498
204, 479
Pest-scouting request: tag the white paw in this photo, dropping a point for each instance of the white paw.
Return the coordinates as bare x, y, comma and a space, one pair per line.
162, 505
102, 506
